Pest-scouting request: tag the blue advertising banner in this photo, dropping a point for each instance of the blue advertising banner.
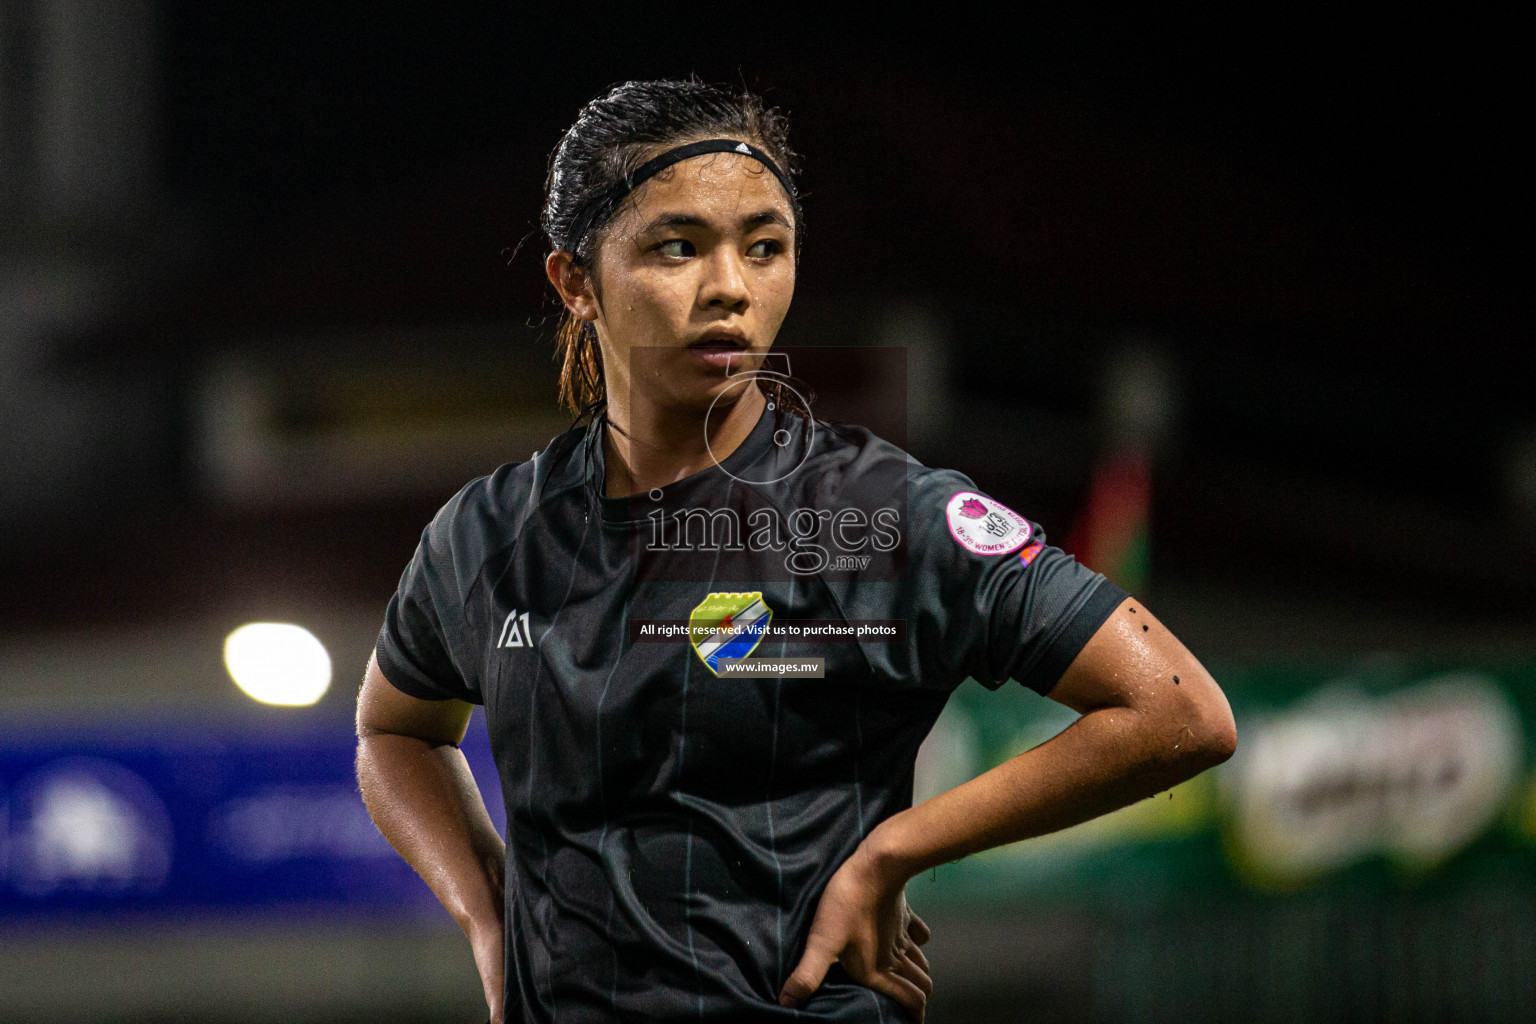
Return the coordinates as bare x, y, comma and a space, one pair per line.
175, 816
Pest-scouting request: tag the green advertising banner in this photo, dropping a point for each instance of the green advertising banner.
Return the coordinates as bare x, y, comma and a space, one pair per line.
1386, 778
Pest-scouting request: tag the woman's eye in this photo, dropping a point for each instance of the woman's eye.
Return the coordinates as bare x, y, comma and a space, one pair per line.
676, 247
762, 250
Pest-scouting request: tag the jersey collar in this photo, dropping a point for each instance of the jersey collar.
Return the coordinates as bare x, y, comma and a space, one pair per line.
701, 490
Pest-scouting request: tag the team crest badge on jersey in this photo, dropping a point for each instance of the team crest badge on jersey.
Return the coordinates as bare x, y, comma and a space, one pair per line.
728, 626
985, 526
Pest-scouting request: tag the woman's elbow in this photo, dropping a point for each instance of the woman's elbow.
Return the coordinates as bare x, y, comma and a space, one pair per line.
1212, 736
1194, 730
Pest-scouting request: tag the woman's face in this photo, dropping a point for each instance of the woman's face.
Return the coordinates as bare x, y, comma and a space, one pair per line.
693, 278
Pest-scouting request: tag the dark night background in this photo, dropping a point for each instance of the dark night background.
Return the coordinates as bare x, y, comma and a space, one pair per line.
1320, 226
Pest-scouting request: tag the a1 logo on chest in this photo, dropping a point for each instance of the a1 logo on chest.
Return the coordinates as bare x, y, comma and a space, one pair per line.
515, 631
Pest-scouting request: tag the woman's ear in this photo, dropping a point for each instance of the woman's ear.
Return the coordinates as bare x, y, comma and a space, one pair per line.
573, 284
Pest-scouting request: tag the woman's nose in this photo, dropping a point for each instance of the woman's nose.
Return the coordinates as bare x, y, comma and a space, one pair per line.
726, 285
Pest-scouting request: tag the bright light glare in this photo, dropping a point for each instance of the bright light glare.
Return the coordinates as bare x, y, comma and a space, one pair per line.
278, 663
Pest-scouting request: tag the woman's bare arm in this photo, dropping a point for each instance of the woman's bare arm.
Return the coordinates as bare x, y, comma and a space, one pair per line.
1151, 718
419, 791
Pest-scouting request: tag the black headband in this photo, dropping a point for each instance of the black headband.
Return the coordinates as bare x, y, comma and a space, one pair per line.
598, 210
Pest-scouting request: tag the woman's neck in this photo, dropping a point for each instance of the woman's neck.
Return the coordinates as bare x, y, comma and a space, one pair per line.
659, 446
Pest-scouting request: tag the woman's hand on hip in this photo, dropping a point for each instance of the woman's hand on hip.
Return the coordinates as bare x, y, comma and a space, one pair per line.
863, 922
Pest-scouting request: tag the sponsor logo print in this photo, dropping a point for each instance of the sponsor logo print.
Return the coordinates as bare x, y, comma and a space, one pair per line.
984, 526
85, 825
728, 625
1413, 776
514, 631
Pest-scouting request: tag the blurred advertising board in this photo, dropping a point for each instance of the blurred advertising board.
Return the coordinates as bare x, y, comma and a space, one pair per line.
186, 817
1385, 778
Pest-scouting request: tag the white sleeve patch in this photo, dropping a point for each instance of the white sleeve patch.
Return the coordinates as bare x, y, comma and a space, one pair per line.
985, 526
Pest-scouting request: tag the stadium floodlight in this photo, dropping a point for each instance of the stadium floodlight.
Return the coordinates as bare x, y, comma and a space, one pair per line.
278, 663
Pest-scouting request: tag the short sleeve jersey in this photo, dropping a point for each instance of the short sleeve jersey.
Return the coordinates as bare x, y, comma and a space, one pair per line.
670, 825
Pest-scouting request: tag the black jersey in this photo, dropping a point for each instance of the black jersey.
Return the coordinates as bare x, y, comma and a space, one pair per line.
670, 826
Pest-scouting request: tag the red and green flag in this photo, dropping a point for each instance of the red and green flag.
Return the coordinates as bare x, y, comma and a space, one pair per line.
1110, 534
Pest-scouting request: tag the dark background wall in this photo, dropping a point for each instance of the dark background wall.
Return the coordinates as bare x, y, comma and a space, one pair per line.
1319, 226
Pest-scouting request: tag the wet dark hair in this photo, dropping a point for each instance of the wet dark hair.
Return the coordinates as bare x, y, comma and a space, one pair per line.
613, 135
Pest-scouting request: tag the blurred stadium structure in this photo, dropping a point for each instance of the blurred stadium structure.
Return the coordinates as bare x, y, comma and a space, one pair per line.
257, 319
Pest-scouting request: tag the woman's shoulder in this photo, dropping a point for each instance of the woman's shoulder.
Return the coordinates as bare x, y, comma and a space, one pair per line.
492, 508
851, 458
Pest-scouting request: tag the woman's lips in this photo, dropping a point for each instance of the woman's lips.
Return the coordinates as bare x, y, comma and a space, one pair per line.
716, 354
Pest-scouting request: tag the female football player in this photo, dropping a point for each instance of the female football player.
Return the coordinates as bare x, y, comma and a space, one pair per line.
704, 722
